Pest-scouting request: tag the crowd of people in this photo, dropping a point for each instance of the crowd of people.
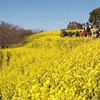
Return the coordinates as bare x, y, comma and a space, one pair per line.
88, 30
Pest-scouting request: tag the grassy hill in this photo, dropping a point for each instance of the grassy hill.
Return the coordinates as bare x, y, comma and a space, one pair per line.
50, 67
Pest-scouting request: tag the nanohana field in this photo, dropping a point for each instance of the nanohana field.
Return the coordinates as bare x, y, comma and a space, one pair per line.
51, 67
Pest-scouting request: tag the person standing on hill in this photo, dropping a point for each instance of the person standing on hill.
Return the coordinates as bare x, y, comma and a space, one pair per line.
92, 31
97, 33
88, 30
84, 32
77, 34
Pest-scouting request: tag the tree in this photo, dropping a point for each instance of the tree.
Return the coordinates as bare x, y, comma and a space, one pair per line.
11, 34
94, 16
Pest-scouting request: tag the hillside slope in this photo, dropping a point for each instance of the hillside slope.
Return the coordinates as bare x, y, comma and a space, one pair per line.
50, 67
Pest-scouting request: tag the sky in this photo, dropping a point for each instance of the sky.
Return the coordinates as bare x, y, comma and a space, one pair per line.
46, 14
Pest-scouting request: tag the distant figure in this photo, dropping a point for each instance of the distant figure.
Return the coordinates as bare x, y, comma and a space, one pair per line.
81, 34
88, 31
70, 34
92, 31
77, 34
99, 32
96, 34
84, 33
63, 33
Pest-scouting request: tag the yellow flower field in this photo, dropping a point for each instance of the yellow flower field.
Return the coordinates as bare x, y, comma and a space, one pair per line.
50, 67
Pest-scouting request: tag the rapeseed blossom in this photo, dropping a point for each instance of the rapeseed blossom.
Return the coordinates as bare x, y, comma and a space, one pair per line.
50, 67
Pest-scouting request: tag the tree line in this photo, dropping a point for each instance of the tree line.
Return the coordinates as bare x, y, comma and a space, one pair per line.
12, 34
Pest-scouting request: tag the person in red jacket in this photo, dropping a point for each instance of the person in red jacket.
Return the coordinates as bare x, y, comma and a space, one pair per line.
84, 33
